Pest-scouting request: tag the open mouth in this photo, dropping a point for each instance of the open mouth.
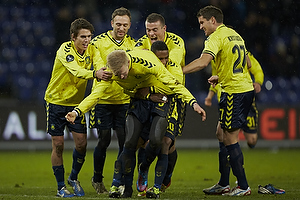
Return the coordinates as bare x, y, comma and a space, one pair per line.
85, 45
153, 39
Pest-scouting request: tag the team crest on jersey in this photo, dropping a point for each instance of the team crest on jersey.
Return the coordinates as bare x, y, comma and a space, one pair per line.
69, 58
88, 60
138, 44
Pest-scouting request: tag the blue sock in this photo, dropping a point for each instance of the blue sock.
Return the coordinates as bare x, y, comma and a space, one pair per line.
236, 161
251, 146
118, 173
99, 159
78, 160
128, 160
59, 173
150, 157
160, 169
141, 155
172, 159
224, 166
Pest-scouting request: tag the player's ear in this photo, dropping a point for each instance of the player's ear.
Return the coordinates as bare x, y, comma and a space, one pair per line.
72, 37
213, 20
112, 23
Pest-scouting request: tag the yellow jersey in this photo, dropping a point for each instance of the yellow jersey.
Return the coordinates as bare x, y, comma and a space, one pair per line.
144, 66
175, 45
106, 44
70, 74
228, 50
255, 70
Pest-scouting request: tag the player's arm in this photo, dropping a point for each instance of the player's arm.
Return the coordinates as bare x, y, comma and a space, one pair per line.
208, 99
78, 71
177, 54
197, 64
89, 102
144, 93
176, 70
102, 73
257, 73
213, 80
168, 79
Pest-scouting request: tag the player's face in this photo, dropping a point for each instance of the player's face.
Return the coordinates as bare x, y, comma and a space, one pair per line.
120, 25
123, 72
206, 25
81, 42
155, 31
163, 56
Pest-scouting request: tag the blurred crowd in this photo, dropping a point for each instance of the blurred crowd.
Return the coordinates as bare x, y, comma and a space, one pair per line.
32, 30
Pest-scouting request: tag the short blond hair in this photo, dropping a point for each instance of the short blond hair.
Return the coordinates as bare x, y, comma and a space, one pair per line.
116, 59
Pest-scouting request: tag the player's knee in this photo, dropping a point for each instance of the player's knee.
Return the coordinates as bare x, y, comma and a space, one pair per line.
251, 144
166, 144
130, 144
59, 148
104, 139
81, 146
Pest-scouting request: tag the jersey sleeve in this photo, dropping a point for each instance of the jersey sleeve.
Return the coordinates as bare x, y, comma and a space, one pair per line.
72, 66
256, 70
176, 71
98, 62
91, 100
168, 79
211, 46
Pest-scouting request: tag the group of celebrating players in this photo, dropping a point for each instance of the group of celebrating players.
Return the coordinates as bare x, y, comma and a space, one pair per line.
138, 92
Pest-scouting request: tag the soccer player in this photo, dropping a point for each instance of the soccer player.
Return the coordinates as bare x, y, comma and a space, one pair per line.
156, 30
66, 89
160, 49
110, 112
133, 70
227, 48
250, 128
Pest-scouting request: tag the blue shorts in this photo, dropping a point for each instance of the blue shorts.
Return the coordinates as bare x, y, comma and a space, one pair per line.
181, 110
107, 116
176, 118
234, 108
252, 119
145, 110
56, 121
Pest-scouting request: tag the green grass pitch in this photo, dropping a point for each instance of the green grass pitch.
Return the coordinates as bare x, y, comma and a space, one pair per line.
28, 175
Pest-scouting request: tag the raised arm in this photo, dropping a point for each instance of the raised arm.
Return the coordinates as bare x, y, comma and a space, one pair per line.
198, 64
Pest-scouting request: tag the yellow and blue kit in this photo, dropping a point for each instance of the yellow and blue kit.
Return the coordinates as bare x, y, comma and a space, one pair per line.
105, 43
70, 74
143, 66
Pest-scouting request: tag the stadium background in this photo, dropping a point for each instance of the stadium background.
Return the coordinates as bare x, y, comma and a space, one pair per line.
32, 30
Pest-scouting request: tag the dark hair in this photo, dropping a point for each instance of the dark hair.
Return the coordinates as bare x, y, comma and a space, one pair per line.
79, 24
159, 46
211, 11
121, 12
154, 17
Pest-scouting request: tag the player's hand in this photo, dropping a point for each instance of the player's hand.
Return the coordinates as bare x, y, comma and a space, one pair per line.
207, 101
257, 87
70, 117
159, 98
199, 110
103, 74
142, 92
213, 80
